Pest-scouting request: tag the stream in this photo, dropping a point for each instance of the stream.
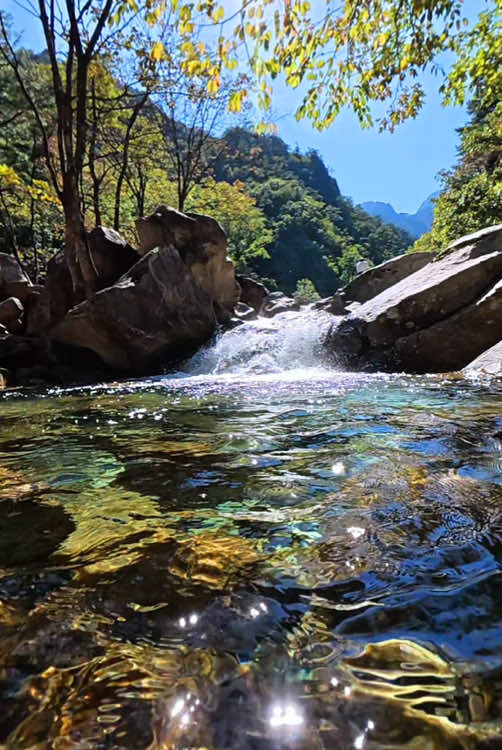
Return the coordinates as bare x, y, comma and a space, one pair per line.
255, 552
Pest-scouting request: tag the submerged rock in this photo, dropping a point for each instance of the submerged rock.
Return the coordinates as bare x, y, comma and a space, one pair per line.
437, 319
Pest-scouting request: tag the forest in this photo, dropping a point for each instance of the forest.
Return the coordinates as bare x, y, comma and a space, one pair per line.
284, 214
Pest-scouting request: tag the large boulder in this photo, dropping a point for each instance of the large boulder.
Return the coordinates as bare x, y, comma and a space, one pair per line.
154, 313
455, 341
11, 311
253, 293
379, 278
202, 245
112, 257
13, 281
488, 363
405, 326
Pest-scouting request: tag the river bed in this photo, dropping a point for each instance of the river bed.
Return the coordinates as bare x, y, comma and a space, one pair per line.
298, 559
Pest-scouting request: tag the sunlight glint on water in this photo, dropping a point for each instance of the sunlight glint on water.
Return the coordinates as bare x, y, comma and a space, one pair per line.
232, 558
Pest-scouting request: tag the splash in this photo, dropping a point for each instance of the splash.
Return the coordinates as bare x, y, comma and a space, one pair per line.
289, 341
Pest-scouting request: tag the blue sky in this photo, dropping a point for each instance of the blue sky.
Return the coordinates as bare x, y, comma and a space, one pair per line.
400, 168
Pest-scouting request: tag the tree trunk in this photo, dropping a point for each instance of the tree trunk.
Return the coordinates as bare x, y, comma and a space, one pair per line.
77, 254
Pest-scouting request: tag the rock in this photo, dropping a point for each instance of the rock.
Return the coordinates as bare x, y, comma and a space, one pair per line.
488, 363
278, 303
379, 278
13, 281
11, 310
112, 257
455, 341
336, 305
23, 351
37, 311
244, 312
429, 321
155, 313
59, 295
253, 293
202, 245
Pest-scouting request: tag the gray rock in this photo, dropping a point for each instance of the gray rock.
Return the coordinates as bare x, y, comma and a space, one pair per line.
202, 245
253, 293
379, 278
278, 303
112, 257
154, 313
13, 281
11, 310
488, 363
462, 283
455, 341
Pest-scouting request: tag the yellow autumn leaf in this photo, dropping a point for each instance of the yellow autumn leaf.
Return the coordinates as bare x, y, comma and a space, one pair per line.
157, 51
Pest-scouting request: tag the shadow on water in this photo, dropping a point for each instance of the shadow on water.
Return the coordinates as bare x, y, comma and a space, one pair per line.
296, 560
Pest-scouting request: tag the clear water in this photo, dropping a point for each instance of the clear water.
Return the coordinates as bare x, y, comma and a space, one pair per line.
292, 559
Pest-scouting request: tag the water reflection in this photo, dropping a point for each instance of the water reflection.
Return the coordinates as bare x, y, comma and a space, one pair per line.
271, 562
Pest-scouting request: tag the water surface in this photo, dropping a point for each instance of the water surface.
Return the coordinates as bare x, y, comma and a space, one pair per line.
302, 559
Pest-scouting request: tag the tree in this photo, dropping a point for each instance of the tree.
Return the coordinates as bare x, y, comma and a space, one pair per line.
243, 221
75, 37
306, 292
472, 194
352, 53
191, 118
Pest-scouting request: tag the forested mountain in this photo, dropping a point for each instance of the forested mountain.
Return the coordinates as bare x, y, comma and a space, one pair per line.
317, 233
284, 213
415, 224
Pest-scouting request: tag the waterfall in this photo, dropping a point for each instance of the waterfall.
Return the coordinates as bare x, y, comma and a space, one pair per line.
288, 341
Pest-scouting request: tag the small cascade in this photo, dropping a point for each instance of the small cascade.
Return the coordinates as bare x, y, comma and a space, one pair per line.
288, 341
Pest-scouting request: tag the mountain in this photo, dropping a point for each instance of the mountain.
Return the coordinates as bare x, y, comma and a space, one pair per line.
415, 224
317, 233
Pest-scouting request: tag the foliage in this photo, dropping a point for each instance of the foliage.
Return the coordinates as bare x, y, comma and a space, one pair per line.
472, 195
240, 217
306, 292
313, 225
30, 220
353, 53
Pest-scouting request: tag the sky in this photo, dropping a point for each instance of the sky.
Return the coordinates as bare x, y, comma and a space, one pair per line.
399, 168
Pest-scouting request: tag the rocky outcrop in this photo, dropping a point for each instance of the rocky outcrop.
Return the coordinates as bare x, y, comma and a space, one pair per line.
488, 363
13, 281
376, 280
276, 303
202, 245
155, 312
150, 307
253, 294
11, 312
112, 257
434, 320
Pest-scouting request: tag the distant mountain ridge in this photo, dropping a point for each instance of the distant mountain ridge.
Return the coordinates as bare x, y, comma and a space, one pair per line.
415, 224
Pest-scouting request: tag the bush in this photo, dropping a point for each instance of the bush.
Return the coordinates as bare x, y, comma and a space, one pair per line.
306, 292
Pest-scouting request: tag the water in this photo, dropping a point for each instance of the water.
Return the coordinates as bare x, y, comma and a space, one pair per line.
228, 558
